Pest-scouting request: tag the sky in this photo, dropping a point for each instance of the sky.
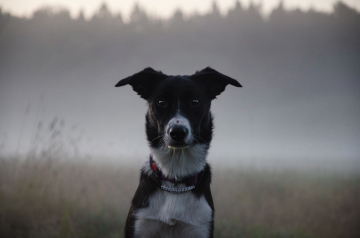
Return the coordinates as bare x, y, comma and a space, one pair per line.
161, 8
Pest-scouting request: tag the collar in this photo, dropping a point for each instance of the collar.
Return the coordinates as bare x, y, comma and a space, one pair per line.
190, 181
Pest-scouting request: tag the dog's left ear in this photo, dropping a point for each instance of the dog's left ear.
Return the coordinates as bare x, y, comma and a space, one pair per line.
143, 82
214, 81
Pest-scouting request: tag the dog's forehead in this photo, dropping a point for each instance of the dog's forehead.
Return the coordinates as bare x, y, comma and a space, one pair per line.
178, 85
178, 81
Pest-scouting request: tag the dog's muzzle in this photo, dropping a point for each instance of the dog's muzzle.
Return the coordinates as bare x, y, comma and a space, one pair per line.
178, 134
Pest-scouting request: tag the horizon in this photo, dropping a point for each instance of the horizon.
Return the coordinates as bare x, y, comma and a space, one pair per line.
165, 10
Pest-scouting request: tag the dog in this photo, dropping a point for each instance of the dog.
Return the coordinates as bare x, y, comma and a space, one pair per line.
174, 198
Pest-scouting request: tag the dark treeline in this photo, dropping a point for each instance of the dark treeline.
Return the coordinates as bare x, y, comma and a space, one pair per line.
52, 41
290, 55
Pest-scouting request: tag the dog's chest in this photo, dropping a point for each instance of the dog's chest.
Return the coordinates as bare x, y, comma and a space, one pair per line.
168, 211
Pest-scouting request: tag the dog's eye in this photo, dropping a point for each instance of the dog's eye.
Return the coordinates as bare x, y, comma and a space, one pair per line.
162, 103
195, 102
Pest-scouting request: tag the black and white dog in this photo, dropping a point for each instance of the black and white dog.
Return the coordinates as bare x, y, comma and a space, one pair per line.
174, 198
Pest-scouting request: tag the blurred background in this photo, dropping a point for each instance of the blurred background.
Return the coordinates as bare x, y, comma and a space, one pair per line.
285, 152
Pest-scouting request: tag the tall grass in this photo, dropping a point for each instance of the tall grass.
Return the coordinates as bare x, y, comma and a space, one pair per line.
52, 197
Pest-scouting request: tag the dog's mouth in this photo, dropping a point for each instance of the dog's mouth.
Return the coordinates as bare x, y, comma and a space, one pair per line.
178, 147
176, 144
170, 143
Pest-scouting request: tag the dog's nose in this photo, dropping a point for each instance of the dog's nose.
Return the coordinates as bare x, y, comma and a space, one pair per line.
178, 133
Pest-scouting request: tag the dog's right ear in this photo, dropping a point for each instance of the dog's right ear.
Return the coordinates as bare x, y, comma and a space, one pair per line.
143, 82
214, 81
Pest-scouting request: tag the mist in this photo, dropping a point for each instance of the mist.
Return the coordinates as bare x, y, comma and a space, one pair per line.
300, 72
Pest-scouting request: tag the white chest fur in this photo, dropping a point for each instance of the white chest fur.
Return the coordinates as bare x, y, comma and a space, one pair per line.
174, 215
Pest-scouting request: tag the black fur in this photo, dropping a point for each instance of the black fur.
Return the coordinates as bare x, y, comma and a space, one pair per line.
167, 98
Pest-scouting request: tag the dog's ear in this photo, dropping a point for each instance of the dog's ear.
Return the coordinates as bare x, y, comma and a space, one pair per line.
214, 81
143, 82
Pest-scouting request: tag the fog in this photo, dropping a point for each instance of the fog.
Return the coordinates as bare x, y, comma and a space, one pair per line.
300, 72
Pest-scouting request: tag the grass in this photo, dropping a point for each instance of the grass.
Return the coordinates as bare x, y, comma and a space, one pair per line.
48, 197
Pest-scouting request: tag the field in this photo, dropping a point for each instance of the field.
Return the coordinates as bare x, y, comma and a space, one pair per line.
48, 197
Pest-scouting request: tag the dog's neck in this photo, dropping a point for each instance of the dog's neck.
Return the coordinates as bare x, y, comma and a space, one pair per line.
180, 162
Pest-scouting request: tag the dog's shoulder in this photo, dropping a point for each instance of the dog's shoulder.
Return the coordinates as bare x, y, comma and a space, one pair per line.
203, 188
147, 187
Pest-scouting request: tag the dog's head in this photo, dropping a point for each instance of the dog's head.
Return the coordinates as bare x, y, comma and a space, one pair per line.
178, 120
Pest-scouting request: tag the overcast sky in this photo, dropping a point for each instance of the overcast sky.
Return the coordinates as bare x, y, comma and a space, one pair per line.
162, 8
